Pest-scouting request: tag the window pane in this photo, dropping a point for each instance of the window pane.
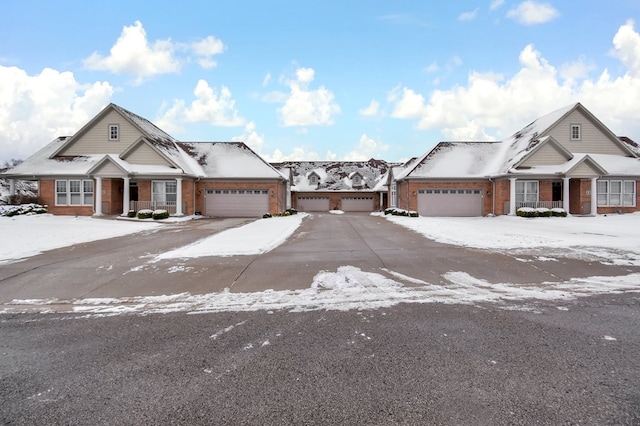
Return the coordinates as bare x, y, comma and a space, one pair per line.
61, 198
88, 199
519, 187
629, 186
616, 187
75, 199
171, 187
602, 186
74, 186
627, 199
615, 200
532, 187
602, 199
61, 186
88, 186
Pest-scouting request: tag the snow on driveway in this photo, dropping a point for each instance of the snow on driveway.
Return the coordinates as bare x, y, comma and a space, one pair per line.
351, 288
256, 237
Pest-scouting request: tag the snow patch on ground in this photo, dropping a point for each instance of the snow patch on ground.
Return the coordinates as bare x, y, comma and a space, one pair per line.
254, 238
610, 239
350, 288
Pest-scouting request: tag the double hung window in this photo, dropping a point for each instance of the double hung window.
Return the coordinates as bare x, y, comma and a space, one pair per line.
74, 192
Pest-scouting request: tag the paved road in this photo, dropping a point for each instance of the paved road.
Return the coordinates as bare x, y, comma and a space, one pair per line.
574, 362
121, 267
410, 364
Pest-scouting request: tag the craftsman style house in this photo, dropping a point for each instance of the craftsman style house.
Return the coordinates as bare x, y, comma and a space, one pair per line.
120, 161
567, 159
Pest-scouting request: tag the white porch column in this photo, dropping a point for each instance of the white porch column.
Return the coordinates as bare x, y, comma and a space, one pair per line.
594, 196
512, 196
12, 187
125, 196
179, 197
98, 197
565, 194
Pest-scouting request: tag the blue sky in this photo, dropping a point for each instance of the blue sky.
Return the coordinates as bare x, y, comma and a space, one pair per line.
316, 79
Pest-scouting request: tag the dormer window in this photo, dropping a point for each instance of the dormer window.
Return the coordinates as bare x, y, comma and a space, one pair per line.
114, 133
313, 179
576, 134
356, 180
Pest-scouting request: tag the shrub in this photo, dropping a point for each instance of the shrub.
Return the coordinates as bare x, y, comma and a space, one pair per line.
266, 216
413, 213
543, 212
131, 213
160, 214
26, 209
292, 211
558, 212
145, 214
527, 212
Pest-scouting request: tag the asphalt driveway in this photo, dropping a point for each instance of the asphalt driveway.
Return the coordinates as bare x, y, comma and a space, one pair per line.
121, 267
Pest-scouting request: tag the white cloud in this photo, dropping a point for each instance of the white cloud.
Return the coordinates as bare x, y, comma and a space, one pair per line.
251, 137
468, 16
493, 106
35, 109
371, 110
531, 12
299, 154
133, 54
365, 149
307, 107
205, 49
576, 70
496, 4
432, 67
209, 106
266, 80
627, 48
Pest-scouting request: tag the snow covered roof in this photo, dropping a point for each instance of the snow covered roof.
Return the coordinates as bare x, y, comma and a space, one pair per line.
482, 159
335, 175
228, 160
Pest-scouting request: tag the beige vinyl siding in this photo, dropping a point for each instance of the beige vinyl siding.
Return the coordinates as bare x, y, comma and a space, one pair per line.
592, 141
96, 139
108, 169
144, 154
547, 155
583, 170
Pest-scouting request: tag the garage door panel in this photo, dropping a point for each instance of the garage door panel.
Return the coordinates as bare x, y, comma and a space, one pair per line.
313, 204
357, 204
236, 202
450, 202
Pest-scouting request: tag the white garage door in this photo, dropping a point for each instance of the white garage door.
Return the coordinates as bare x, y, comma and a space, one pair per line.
450, 202
313, 204
357, 204
236, 202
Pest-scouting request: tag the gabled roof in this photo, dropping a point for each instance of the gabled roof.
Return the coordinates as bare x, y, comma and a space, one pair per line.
147, 128
631, 144
545, 141
453, 160
334, 175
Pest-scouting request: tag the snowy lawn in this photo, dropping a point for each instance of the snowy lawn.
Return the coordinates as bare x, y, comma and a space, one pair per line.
611, 239
28, 235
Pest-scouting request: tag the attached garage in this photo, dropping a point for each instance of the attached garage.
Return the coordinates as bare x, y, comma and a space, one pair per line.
357, 204
236, 202
313, 204
450, 202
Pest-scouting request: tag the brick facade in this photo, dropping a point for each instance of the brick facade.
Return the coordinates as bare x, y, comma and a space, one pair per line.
335, 198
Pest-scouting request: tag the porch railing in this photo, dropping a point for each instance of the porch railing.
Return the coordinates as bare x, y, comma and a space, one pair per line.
540, 204
169, 206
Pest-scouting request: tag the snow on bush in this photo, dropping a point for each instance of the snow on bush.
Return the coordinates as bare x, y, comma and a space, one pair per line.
160, 214
26, 209
145, 214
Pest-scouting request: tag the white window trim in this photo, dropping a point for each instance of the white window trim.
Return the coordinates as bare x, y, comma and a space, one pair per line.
394, 195
161, 197
579, 127
607, 193
67, 193
525, 193
117, 131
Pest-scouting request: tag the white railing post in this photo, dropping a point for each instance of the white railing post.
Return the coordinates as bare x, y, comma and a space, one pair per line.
125, 197
512, 196
179, 196
594, 196
98, 197
565, 194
